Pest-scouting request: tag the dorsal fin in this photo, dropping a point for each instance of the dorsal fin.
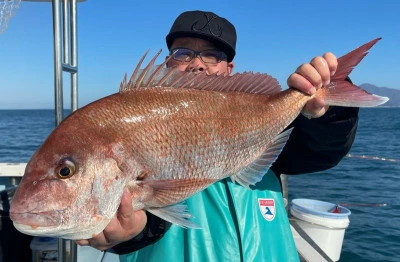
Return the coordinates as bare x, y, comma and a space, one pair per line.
160, 76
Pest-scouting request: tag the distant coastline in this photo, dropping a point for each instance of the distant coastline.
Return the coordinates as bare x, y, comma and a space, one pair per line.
393, 94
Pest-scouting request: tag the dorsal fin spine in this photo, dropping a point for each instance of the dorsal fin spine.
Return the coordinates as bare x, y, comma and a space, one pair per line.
122, 86
166, 77
140, 79
158, 69
210, 82
136, 71
178, 78
188, 80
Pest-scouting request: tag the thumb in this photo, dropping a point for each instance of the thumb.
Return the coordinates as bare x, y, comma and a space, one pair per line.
125, 209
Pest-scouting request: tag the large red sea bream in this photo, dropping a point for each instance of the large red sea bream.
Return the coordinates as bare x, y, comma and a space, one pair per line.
165, 136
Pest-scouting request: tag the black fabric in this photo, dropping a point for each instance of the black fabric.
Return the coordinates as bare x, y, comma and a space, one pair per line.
14, 245
154, 230
205, 25
318, 144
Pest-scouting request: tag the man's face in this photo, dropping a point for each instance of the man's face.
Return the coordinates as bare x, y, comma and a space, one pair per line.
196, 64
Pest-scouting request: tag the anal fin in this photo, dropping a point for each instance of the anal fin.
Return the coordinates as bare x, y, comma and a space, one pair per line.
176, 214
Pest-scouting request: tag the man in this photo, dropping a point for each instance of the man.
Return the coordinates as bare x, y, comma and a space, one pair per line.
237, 224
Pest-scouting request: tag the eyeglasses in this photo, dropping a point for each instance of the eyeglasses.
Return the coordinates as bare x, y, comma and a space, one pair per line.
211, 56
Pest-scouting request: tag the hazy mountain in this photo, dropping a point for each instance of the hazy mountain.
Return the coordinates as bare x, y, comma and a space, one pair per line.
393, 94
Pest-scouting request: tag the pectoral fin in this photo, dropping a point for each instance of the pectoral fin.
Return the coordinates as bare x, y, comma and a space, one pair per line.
253, 173
167, 192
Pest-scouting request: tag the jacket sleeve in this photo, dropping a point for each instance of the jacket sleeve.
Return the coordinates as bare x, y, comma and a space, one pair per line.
153, 231
318, 144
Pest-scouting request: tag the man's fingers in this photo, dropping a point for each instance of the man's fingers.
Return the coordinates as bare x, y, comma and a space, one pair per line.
100, 242
309, 77
125, 209
322, 68
82, 242
126, 224
300, 83
331, 59
315, 108
113, 231
310, 73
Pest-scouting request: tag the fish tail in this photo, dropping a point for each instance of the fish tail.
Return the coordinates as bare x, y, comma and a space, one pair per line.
341, 92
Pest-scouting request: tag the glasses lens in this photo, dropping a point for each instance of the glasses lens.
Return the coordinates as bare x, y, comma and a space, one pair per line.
183, 54
207, 56
212, 56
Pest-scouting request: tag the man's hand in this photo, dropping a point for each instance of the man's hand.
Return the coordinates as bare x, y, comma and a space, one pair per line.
125, 225
309, 77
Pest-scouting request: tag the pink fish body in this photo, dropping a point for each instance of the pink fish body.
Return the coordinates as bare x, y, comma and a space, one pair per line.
165, 136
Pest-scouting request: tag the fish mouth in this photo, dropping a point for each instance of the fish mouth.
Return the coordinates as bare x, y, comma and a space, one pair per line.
36, 219
37, 225
36, 230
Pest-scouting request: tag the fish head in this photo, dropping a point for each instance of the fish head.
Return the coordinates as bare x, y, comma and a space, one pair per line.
71, 187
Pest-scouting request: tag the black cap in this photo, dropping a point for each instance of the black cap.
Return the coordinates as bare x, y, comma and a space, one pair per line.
205, 25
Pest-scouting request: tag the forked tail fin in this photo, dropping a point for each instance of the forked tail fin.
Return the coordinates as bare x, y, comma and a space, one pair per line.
342, 93
347, 62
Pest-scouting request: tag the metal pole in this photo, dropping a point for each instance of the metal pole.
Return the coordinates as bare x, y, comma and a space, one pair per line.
65, 29
285, 190
58, 92
68, 64
74, 55
58, 85
74, 88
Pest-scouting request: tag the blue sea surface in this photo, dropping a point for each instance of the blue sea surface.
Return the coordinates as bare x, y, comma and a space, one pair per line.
367, 181
22, 132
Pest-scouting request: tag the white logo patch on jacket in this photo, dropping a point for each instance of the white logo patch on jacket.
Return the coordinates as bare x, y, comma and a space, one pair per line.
267, 208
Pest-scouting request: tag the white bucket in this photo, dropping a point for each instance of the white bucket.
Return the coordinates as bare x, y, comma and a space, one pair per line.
323, 226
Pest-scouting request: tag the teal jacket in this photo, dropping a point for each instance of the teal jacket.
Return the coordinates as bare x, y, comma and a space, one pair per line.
237, 225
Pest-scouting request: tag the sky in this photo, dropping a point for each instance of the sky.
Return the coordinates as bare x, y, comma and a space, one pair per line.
274, 37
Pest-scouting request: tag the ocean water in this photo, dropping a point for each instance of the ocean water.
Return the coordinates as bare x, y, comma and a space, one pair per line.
22, 131
367, 181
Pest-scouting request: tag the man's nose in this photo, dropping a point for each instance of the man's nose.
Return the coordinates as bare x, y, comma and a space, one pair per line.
196, 65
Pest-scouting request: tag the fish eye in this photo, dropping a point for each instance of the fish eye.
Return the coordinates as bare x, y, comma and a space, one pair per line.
65, 169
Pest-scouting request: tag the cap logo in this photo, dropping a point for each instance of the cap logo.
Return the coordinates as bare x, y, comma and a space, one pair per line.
210, 20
